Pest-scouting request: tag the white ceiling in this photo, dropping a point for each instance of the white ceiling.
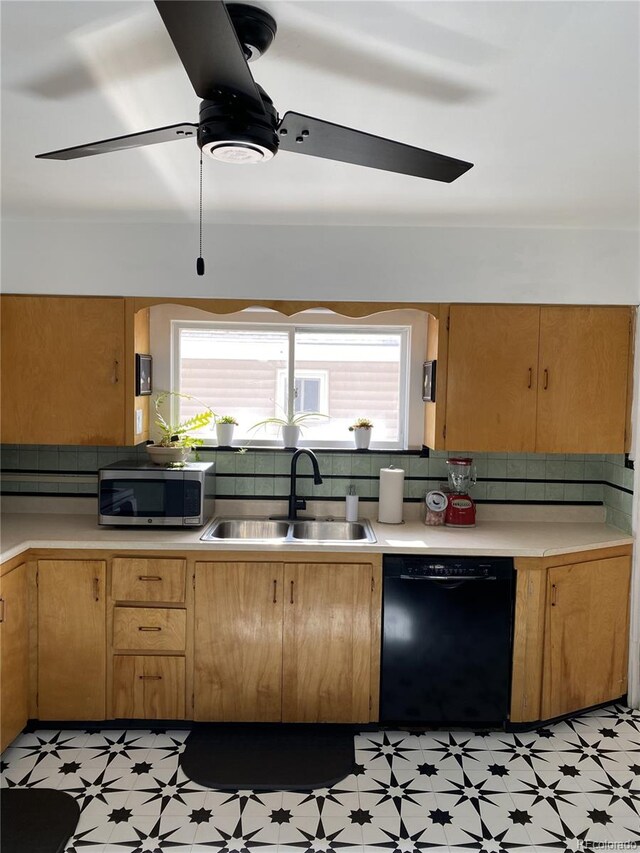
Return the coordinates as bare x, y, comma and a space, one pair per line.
541, 96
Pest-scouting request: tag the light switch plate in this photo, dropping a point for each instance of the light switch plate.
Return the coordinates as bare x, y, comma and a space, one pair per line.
138, 421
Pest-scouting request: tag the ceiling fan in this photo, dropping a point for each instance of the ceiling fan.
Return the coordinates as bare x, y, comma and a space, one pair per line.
238, 122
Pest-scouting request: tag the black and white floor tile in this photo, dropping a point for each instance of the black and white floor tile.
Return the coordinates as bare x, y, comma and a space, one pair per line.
570, 786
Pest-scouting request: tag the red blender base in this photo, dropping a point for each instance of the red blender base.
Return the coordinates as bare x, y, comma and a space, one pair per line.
461, 512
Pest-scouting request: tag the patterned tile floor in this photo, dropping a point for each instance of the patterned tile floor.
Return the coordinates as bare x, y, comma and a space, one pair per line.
570, 786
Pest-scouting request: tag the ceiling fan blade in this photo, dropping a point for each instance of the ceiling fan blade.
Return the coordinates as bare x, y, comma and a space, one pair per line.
306, 135
131, 140
208, 47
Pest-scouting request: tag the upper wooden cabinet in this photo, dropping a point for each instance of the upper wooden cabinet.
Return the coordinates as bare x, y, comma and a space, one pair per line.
582, 379
531, 379
14, 654
68, 370
492, 387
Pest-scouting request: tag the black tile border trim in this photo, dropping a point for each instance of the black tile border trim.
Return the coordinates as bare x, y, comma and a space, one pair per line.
325, 499
15, 472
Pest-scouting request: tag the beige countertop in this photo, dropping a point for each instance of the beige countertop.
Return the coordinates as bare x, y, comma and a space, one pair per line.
510, 536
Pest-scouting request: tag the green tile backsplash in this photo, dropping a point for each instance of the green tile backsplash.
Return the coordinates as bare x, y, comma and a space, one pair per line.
511, 477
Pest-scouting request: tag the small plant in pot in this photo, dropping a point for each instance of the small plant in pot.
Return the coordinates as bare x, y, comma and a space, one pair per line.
176, 441
290, 426
361, 429
225, 425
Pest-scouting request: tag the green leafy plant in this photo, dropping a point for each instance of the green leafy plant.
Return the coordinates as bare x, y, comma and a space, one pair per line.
361, 423
226, 419
300, 420
177, 434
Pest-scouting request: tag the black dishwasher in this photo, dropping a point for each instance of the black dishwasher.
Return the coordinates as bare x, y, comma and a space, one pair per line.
446, 640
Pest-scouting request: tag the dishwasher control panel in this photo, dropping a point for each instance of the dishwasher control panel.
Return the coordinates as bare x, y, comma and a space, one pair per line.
416, 566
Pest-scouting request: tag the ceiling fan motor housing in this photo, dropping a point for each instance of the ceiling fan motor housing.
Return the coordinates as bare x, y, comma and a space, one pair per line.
230, 131
255, 28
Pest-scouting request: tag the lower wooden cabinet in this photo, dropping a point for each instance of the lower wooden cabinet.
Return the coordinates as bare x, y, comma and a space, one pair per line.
586, 635
327, 643
238, 642
14, 654
71, 639
276, 642
149, 687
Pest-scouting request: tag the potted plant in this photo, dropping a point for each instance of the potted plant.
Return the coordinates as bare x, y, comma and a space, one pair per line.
361, 429
225, 424
176, 441
290, 426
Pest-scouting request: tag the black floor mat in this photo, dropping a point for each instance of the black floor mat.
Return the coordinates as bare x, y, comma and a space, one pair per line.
36, 820
268, 757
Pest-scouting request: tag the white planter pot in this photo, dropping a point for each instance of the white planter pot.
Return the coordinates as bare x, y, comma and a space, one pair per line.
290, 435
362, 438
224, 434
167, 455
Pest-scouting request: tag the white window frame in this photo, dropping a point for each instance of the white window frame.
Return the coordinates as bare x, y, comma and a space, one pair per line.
290, 329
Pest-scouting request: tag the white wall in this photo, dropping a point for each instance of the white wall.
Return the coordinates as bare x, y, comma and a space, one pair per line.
307, 262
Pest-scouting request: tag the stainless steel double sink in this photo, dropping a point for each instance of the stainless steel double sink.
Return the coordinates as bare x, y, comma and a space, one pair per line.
317, 530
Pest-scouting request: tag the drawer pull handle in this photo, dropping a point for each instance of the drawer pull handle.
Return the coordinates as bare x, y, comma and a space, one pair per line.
150, 677
291, 596
275, 592
96, 589
149, 628
1, 609
530, 377
546, 380
554, 595
149, 578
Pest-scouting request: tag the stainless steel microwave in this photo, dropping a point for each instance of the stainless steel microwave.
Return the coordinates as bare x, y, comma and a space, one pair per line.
147, 495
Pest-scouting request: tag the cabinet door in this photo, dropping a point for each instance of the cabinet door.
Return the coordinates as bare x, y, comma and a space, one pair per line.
71, 639
14, 655
238, 642
491, 377
586, 635
582, 399
64, 381
149, 687
327, 643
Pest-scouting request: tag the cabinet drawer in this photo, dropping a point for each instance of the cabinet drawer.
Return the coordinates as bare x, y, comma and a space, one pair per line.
156, 628
144, 579
149, 687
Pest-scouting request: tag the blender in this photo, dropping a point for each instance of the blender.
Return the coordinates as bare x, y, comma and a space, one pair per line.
461, 510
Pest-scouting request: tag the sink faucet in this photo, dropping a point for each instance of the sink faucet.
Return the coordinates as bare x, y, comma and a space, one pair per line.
296, 503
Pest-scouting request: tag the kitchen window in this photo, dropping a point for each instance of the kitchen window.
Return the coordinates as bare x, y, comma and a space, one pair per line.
260, 371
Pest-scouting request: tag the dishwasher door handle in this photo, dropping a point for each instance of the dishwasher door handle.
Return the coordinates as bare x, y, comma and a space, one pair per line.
441, 579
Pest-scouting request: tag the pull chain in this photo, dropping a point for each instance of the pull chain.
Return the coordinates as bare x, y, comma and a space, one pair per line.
200, 261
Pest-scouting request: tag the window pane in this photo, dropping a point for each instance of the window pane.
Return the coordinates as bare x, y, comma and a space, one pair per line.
361, 374
236, 372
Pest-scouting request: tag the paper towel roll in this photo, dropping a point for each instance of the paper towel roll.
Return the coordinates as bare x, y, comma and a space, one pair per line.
391, 495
